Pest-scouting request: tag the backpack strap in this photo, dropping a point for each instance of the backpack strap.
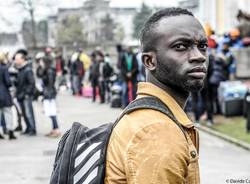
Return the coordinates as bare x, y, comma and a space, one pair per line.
150, 102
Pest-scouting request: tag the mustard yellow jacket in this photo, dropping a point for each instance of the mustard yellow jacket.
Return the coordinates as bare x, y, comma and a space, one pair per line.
147, 147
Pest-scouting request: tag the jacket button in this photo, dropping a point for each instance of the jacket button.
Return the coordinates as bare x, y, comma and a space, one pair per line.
193, 154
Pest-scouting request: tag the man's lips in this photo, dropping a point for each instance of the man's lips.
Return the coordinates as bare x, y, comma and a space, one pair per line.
197, 72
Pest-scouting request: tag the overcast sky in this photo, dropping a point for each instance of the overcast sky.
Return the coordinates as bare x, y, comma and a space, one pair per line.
11, 15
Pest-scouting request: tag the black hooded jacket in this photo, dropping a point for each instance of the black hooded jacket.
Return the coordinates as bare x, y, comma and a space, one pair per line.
5, 83
25, 84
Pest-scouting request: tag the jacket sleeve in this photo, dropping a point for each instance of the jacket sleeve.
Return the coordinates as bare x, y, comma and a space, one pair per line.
135, 66
123, 68
153, 158
30, 82
90, 72
155, 154
7, 78
51, 79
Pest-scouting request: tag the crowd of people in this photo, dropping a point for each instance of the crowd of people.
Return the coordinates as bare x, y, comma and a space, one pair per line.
128, 71
114, 81
222, 67
103, 74
24, 79
19, 88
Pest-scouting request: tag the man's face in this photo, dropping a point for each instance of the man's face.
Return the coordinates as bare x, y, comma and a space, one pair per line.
130, 50
181, 53
226, 46
19, 60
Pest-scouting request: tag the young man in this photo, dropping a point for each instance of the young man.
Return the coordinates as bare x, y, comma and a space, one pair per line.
129, 71
146, 146
25, 86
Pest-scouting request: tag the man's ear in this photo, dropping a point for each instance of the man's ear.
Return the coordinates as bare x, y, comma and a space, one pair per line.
149, 60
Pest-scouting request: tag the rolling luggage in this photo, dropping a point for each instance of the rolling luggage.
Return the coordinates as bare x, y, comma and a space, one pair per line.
231, 96
116, 95
87, 91
247, 110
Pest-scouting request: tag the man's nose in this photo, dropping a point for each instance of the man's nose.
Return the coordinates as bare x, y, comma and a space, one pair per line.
197, 56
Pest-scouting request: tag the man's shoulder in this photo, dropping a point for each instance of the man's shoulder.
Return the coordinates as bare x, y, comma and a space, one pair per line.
142, 122
27, 68
139, 131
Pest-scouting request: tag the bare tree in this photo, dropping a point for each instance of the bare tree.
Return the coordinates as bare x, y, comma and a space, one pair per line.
70, 31
107, 28
5, 20
140, 18
30, 6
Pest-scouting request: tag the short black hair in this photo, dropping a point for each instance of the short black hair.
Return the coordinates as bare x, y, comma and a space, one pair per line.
147, 36
23, 52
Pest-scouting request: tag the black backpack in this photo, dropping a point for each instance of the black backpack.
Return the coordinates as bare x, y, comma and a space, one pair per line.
81, 153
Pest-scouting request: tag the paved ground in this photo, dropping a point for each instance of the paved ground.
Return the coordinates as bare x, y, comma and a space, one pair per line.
29, 159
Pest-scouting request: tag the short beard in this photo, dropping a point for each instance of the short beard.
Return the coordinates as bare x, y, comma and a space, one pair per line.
170, 77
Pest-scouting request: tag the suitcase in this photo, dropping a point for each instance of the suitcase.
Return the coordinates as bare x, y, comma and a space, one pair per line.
247, 110
116, 101
247, 104
116, 96
87, 91
231, 96
232, 107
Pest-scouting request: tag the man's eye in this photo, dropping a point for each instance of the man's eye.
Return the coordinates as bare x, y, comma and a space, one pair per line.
203, 46
180, 46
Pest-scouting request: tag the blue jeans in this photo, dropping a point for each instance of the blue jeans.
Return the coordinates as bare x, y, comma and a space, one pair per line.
76, 84
28, 114
54, 122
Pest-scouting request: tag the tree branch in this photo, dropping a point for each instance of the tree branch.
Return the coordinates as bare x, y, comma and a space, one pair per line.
23, 4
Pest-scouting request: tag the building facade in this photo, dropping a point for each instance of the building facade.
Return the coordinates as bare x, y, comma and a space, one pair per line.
10, 42
220, 14
92, 15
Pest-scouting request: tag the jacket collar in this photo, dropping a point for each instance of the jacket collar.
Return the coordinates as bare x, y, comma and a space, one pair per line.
23, 66
149, 89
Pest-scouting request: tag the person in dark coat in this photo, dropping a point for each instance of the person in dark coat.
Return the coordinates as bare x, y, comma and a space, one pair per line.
218, 71
25, 89
49, 94
94, 74
120, 53
60, 70
101, 79
77, 74
107, 73
5, 97
128, 70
